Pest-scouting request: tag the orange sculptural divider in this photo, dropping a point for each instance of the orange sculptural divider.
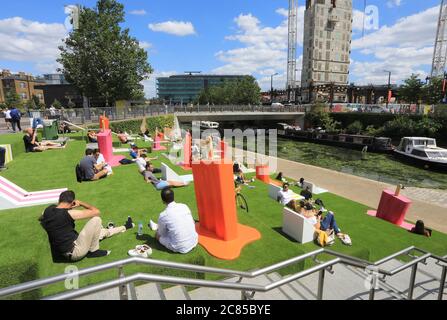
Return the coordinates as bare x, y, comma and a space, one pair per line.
104, 123
187, 150
219, 231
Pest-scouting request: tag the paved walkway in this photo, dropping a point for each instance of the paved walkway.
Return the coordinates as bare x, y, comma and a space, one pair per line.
368, 192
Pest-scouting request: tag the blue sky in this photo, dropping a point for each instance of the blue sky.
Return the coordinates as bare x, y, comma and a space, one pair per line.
231, 36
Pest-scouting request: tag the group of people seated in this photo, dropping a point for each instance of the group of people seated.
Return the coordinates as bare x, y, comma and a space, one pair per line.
175, 229
308, 209
93, 166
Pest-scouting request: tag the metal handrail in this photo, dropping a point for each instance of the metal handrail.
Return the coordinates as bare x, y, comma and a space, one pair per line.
340, 258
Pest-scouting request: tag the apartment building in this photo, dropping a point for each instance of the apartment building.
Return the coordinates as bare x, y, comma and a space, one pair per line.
21, 83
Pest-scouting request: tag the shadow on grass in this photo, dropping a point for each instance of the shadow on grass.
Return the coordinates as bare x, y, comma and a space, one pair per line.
279, 230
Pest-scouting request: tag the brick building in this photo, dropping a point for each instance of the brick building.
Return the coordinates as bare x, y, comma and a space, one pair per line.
23, 84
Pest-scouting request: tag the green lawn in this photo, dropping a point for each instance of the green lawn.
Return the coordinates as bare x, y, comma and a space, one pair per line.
25, 253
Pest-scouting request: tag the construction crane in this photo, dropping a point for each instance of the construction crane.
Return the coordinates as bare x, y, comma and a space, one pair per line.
440, 53
291, 55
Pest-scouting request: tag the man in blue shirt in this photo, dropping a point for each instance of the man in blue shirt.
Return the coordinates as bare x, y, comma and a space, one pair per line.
16, 115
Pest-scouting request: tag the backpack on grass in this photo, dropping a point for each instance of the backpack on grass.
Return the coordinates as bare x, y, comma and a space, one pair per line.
79, 174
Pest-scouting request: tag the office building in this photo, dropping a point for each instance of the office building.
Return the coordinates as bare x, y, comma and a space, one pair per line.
186, 88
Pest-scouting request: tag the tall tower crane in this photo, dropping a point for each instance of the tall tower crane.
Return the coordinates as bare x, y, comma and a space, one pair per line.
440, 54
291, 55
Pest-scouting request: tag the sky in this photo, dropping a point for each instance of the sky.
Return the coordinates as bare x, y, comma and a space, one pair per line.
229, 37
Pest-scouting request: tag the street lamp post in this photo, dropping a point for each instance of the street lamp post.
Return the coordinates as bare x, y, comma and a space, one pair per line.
389, 89
271, 82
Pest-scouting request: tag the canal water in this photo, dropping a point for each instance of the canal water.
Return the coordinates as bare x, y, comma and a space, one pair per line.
378, 167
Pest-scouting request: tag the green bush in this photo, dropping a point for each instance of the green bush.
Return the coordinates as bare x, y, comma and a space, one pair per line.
355, 128
133, 126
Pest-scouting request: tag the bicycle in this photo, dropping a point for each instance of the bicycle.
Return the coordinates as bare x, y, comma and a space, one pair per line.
241, 202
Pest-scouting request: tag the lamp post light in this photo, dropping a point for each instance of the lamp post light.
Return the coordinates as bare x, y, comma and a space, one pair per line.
271, 82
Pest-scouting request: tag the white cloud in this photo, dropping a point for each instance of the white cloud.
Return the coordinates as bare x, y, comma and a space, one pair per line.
393, 3
30, 41
403, 48
263, 51
141, 12
177, 28
415, 30
145, 45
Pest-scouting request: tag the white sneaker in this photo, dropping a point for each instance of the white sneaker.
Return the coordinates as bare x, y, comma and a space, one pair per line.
143, 251
153, 225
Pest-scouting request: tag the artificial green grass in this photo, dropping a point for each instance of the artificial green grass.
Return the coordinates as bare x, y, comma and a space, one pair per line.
25, 252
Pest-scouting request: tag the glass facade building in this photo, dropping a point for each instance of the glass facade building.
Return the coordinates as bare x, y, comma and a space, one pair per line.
186, 88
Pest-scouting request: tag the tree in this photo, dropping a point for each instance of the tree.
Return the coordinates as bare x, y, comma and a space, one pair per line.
433, 91
57, 104
35, 100
12, 99
241, 91
412, 90
101, 59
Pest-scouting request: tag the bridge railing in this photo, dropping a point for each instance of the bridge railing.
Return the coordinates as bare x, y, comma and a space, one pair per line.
91, 115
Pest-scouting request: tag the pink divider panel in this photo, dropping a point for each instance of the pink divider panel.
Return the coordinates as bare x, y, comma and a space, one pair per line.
105, 144
393, 209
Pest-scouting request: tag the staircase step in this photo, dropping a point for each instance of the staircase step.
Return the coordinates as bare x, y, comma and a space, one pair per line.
291, 292
426, 286
150, 291
106, 295
215, 294
177, 293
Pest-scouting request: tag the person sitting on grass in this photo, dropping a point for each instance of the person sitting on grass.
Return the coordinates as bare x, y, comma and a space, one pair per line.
101, 161
307, 194
92, 171
92, 137
240, 179
2, 158
66, 244
32, 143
159, 184
287, 197
326, 224
176, 228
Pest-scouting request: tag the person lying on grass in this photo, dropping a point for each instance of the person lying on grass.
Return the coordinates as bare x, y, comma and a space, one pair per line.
90, 169
32, 143
66, 244
176, 229
287, 197
92, 137
142, 162
136, 152
159, 184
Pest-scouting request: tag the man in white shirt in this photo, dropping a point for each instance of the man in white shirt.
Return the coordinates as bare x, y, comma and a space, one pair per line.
7, 114
142, 162
101, 160
287, 197
176, 228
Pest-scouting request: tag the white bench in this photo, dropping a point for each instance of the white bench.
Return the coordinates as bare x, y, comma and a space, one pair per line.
297, 226
313, 188
168, 174
274, 190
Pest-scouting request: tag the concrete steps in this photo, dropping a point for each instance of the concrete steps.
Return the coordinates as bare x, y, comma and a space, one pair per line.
345, 283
